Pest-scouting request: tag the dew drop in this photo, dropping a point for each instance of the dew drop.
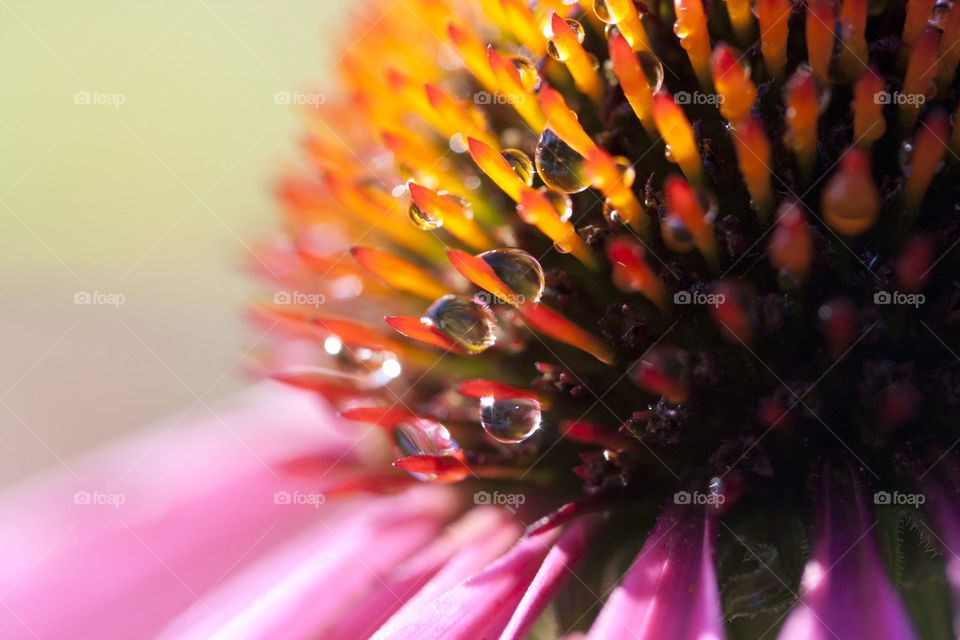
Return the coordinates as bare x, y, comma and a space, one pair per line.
652, 69
521, 164
558, 164
610, 212
939, 14
424, 220
419, 437
603, 11
529, 76
468, 323
561, 203
627, 173
553, 52
510, 420
519, 270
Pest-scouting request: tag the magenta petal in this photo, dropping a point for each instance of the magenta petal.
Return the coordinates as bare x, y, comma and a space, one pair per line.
941, 488
471, 542
478, 607
846, 593
557, 567
670, 591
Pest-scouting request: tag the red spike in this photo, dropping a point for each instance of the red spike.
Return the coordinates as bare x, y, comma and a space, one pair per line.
386, 417
590, 433
445, 468
480, 388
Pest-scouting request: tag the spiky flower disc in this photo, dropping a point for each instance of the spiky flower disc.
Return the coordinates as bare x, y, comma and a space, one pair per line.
690, 253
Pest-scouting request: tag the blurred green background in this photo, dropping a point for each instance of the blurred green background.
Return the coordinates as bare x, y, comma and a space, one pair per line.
139, 144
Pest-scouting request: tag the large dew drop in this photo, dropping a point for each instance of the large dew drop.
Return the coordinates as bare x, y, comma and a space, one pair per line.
468, 323
559, 165
424, 437
510, 420
520, 271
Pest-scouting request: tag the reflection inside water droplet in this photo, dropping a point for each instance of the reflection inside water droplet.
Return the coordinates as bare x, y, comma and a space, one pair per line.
420, 436
558, 164
510, 420
519, 270
466, 322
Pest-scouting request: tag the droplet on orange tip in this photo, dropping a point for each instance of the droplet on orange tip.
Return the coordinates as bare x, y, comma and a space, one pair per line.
820, 37
868, 121
676, 131
691, 29
774, 17
791, 244
604, 174
623, 14
922, 69
572, 54
685, 203
802, 97
850, 202
563, 121
477, 271
496, 167
663, 371
915, 263
733, 84
452, 212
633, 80
511, 88
753, 160
929, 147
397, 272
633, 273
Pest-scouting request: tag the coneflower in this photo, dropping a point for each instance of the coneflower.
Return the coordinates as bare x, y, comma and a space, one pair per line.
642, 320
608, 259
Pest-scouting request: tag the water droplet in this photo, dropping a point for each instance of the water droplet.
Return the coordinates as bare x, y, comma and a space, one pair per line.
938, 16
519, 270
610, 212
561, 202
675, 235
419, 437
424, 220
905, 156
668, 154
627, 172
462, 203
466, 322
521, 164
553, 52
510, 420
603, 11
558, 164
652, 69
529, 76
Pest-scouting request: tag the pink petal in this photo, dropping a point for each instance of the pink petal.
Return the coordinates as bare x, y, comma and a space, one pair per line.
197, 503
557, 567
484, 529
479, 607
670, 590
307, 584
846, 593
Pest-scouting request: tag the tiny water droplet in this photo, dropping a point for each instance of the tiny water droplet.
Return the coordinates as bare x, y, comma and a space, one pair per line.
938, 17
529, 76
424, 220
510, 420
519, 270
466, 322
603, 11
561, 202
627, 173
652, 69
521, 164
905, 156
553, 52
610, 212
558, 164
419, 437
